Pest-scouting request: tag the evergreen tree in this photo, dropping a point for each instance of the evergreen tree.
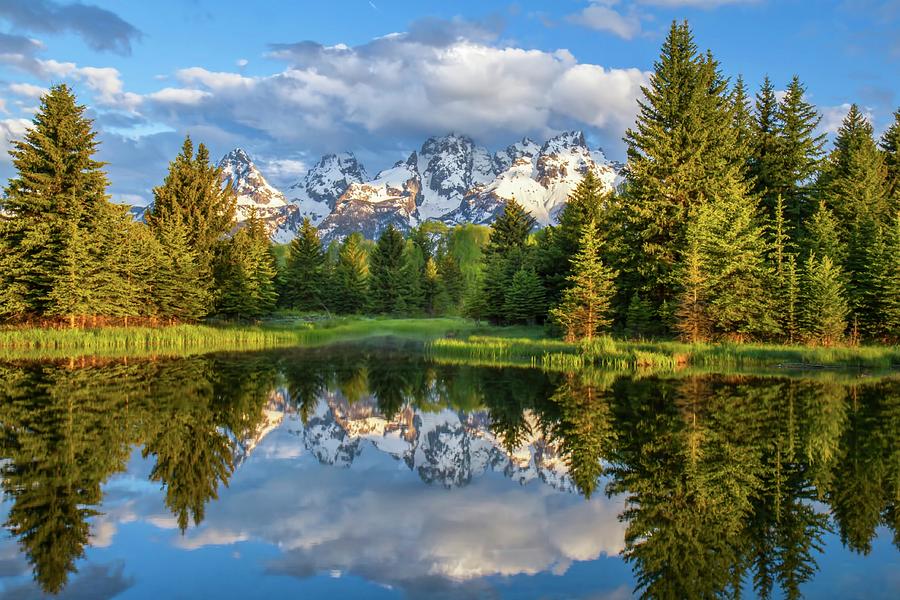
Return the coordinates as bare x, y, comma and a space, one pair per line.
800, 150
431, 286
510, 229
681, 154
246, 273
386, 277
766, 156
304, 272
585, 305
194, 192
892, 281
525, 298
351, 276
638, 317
49, 213
413, 289
451, 284
693, 321
825, 307
178, 289
562, 241
738, 279
743, 123
890, 145
790, 299
823, 236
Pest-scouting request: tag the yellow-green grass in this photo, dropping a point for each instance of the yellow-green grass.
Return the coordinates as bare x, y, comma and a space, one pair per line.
36, 343
616, 354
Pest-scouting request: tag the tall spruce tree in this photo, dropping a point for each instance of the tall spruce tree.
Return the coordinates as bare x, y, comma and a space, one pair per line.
681, 154
693, 321
743, 123
194, 192
246, 273
585, 307
890, 145
525, 298
561, 242
892, 282
178, 290
48, 217
766, 156
304, 272
351, 276
510, 229
385, 270
738, 278
824, 303
800, 150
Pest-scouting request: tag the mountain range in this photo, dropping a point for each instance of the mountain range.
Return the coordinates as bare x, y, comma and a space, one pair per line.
449, 179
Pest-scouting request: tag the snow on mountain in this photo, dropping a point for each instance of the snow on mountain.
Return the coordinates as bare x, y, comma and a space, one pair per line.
449, 178
539, 179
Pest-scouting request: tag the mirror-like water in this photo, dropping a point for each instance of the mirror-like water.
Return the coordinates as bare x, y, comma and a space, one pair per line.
372, 472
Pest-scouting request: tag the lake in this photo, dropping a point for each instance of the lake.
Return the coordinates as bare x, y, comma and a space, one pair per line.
374, 471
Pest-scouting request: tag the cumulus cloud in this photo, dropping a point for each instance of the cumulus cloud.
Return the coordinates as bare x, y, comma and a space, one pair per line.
100, 29
602, 15
405, 87
833, 116
27, 90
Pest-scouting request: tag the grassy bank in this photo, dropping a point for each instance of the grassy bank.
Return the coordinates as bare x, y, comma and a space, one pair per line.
608, 353
177, 340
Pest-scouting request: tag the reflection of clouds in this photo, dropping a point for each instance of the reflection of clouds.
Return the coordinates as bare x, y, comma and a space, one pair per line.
382, 523
93, 582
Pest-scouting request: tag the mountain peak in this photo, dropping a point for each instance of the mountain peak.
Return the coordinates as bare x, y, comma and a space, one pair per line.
238, 155
564, 141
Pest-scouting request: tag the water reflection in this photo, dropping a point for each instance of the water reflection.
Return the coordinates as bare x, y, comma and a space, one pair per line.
707, 485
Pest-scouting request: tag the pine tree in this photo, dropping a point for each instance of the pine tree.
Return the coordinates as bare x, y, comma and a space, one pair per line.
766, 156
386, 278
525, 298
823, 237
194, 191
693, 321
451, 284
352, 277
49, 212
510, 229
304, 272
562, 241
800, 150
738, 278
890, 145
638, 317
245, 273
412, 285
431, 286
681, 154
585, 306
790, 299
825, 308
892, 282
743, 123
177, 289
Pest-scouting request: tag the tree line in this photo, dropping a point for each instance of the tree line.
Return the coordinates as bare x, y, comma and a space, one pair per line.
731, 223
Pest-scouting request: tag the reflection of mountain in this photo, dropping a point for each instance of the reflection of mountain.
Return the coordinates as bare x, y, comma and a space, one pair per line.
446, 447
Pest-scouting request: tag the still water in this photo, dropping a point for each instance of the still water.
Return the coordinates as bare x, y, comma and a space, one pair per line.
374, 472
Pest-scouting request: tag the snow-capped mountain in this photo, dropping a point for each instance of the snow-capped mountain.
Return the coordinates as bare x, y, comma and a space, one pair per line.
449, 178
446, 448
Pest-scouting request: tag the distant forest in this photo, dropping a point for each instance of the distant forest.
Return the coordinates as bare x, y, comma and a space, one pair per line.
733, 223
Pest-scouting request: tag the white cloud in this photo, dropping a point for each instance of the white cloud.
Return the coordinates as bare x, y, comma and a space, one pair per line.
179, 96
601, 16
27, 90
242, 62
399, 88
105, 82
11, 129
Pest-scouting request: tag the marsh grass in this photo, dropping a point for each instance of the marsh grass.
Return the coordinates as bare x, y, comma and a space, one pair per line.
608, 353
178, 340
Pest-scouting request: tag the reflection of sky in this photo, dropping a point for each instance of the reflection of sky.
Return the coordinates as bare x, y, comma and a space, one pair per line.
288, 525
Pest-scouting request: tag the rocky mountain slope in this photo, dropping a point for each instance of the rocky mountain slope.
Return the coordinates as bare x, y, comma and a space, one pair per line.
449, 178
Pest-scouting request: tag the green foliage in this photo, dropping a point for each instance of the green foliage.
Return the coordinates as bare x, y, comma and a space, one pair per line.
639, 317
351, 277
245, 273
525, 300
510, 229
585, 306
890, 145
386, 277
304, 276
824, 303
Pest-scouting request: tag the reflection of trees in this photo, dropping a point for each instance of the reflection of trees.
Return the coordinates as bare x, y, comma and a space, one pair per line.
65, 431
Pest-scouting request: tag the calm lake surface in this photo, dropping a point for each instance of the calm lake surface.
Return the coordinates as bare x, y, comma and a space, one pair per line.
370, 471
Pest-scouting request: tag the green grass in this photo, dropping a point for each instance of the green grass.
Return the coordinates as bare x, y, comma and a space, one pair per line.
616, 354
37, 343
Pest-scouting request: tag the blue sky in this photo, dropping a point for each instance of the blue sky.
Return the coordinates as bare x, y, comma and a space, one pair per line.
290, 81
